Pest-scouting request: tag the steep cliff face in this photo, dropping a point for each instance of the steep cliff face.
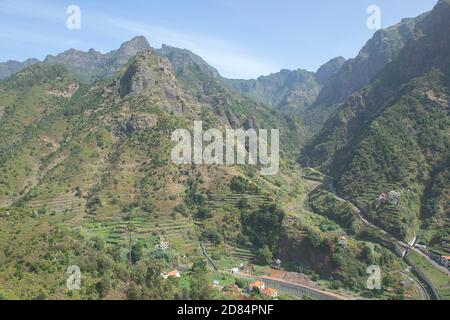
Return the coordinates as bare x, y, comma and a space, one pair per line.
384, 47
393, 135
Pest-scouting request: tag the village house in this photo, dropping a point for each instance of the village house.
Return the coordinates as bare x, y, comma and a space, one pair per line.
270, 292
162, 245
420, 246
257, 285
235, 270
171, 274
394, 197
248, 269
382, 197
445, 261
342, 241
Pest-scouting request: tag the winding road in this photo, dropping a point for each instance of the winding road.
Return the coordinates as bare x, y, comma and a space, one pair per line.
398, 243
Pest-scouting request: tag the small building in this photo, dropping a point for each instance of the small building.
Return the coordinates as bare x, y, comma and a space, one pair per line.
394, 197
235, 270
420, 246
257, 285
162, 245
343, 240
382, 197
270, 292
405, 282
248, 269
445, 261
408, 295
172, 274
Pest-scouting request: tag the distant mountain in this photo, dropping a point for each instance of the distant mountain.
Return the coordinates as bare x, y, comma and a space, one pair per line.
357, 72
93, 65
11, 67
181, 59
205, 83
329, 70
394, 135
287, 90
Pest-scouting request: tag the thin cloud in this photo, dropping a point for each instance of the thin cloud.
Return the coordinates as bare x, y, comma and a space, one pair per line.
229, 58
32, 9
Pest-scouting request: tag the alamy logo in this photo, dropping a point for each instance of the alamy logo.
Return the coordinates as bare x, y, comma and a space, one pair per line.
374, 20
230, 147
374, 280
74, 19
74, 280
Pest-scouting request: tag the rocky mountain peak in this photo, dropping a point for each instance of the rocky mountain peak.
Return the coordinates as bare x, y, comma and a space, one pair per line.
325, 72
134, 46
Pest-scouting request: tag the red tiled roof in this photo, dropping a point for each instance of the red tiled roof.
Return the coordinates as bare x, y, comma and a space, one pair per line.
257, 284
270, 292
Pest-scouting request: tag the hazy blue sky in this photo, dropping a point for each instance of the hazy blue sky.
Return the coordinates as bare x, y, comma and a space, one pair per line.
241, 38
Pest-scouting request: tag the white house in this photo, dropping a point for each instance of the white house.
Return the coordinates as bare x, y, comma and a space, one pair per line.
163, 245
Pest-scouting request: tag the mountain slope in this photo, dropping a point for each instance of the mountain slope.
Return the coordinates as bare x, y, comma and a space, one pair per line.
11, 67
357, 72
287, 90
206, 85
393, 135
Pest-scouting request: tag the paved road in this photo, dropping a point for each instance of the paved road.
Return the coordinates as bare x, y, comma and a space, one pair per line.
205, 254
432, 261
294, 288
406, 247
366, 222
423, 291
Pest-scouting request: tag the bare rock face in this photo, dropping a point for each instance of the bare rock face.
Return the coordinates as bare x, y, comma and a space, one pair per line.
151, 76
136, 122
250, 123
93, 65
146, 71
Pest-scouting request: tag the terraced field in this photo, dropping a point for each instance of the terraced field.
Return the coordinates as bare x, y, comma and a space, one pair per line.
373, 191
231, 258
59, 204
5, 202
179, 232
217, 200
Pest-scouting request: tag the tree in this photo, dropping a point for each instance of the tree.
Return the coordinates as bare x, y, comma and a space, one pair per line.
103, 286
199, 283
264, 256
264, 226
137, 251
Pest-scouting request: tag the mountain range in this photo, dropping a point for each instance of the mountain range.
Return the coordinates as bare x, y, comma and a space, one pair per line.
85, 150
